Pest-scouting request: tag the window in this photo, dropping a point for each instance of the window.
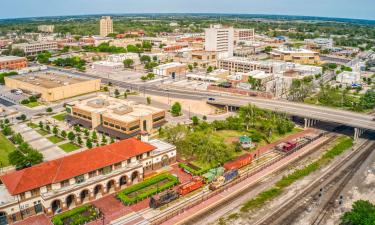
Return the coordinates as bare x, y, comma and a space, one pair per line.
134, 127
123, 128
105, 123
100, 171
118, 165
139, 157
92, 174
107, 169
64, 183
22, 196
129, 161
34, 192
80, 179
117, 127
49, 187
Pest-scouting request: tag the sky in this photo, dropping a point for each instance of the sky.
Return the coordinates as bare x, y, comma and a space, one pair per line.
359, 9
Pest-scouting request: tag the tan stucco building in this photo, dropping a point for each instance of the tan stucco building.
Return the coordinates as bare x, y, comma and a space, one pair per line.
301, 56
53, 86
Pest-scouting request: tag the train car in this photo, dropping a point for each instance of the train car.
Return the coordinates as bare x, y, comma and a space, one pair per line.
289, 145
238, 162
194, 184
222, 180
163, 198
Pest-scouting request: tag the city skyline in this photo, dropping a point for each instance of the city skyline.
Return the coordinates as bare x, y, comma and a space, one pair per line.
362, 9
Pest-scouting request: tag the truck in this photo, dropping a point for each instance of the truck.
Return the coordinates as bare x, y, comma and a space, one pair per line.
163, 198
222, 180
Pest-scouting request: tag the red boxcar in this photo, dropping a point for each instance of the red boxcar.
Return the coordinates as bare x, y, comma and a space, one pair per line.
289, 145
238, 162
190, 186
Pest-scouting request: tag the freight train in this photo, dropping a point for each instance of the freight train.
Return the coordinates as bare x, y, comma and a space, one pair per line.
165, 197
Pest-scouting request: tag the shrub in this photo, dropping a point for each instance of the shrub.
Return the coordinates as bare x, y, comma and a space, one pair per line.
76, 215
191, 170
123, 195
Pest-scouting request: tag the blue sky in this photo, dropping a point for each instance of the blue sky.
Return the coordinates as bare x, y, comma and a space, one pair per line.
363, 9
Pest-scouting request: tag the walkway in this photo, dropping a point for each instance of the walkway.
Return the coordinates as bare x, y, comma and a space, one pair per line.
49, 150
41, 219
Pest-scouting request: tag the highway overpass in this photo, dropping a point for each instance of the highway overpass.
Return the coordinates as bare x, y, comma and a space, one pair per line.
352, 119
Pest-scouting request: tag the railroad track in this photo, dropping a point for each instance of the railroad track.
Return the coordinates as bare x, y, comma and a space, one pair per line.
287, 216
198, 217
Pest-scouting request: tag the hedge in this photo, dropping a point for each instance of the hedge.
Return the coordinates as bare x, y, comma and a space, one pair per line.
191, 170
75, 214
123, 195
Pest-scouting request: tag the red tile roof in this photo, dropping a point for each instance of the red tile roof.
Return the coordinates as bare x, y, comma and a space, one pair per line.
73, 165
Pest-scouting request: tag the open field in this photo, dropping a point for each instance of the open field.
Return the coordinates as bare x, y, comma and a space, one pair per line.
6, 147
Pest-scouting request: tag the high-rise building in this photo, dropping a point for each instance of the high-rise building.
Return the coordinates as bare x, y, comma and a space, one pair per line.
220, 39
244, 35
106, 26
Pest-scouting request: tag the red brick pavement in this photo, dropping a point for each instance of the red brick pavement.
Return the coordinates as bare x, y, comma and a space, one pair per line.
184, 177
240, 185
41, 219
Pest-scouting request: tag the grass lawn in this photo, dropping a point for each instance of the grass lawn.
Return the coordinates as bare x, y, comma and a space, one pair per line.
42, 132
69, 147
32, 125
32, 104
5, 148
59, 117
55, 139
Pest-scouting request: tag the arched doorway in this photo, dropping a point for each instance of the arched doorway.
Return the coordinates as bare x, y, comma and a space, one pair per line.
144, 125
84, 196
3, 218
98, 190
164, 161
110, 186
123, 180
70, 201
134, 176
56, 206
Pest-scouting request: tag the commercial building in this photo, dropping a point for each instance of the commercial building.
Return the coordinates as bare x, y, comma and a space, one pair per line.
349, 78
36, 47
220, 39
106, 66
106, 26
119, 58
65, 183
172, 69
46, 28
52, 86
302, 56
12, 62
203, 58
115, 117
319, 43
236, 64
241, 35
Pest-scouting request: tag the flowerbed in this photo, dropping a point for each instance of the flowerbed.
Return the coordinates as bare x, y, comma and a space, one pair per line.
190, 170
77, 216
147, 188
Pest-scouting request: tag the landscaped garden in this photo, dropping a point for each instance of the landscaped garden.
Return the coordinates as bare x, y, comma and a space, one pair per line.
77, 216
42, 132
206, 145
59, 117
32, 104
69, 147
147, 188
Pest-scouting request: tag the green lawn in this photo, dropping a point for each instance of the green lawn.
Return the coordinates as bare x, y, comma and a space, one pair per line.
55, 139
69, 147
32, 125
5, 148
42, 132
32, 104
59, 117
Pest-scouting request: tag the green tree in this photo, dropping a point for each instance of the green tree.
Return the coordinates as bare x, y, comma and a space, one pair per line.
195, 120
128, 63
17, 138
79, 140
7, 130
117, 93
71, 136
41, 125
112, 140
48, 128
104, 140
49, 110
77, 128
367, 101
209, 69
86, 132
55, 131
176, 109
94, 136
268, 49
88, 143
125, 95
63, 134
362, 213
43, 57
148, 100
190, 67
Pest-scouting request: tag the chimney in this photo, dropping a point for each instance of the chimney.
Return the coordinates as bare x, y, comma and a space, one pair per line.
145, 136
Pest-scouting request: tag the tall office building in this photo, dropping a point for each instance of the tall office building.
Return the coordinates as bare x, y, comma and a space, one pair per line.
220, 39
106, 26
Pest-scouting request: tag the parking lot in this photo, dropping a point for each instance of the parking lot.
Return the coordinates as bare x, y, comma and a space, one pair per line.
7, 98
190, 84
130, 76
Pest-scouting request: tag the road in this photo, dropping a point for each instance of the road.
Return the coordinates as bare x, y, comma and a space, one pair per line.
320, 113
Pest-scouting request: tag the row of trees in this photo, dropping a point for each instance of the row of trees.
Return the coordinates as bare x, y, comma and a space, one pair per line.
74, 61
24, 155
